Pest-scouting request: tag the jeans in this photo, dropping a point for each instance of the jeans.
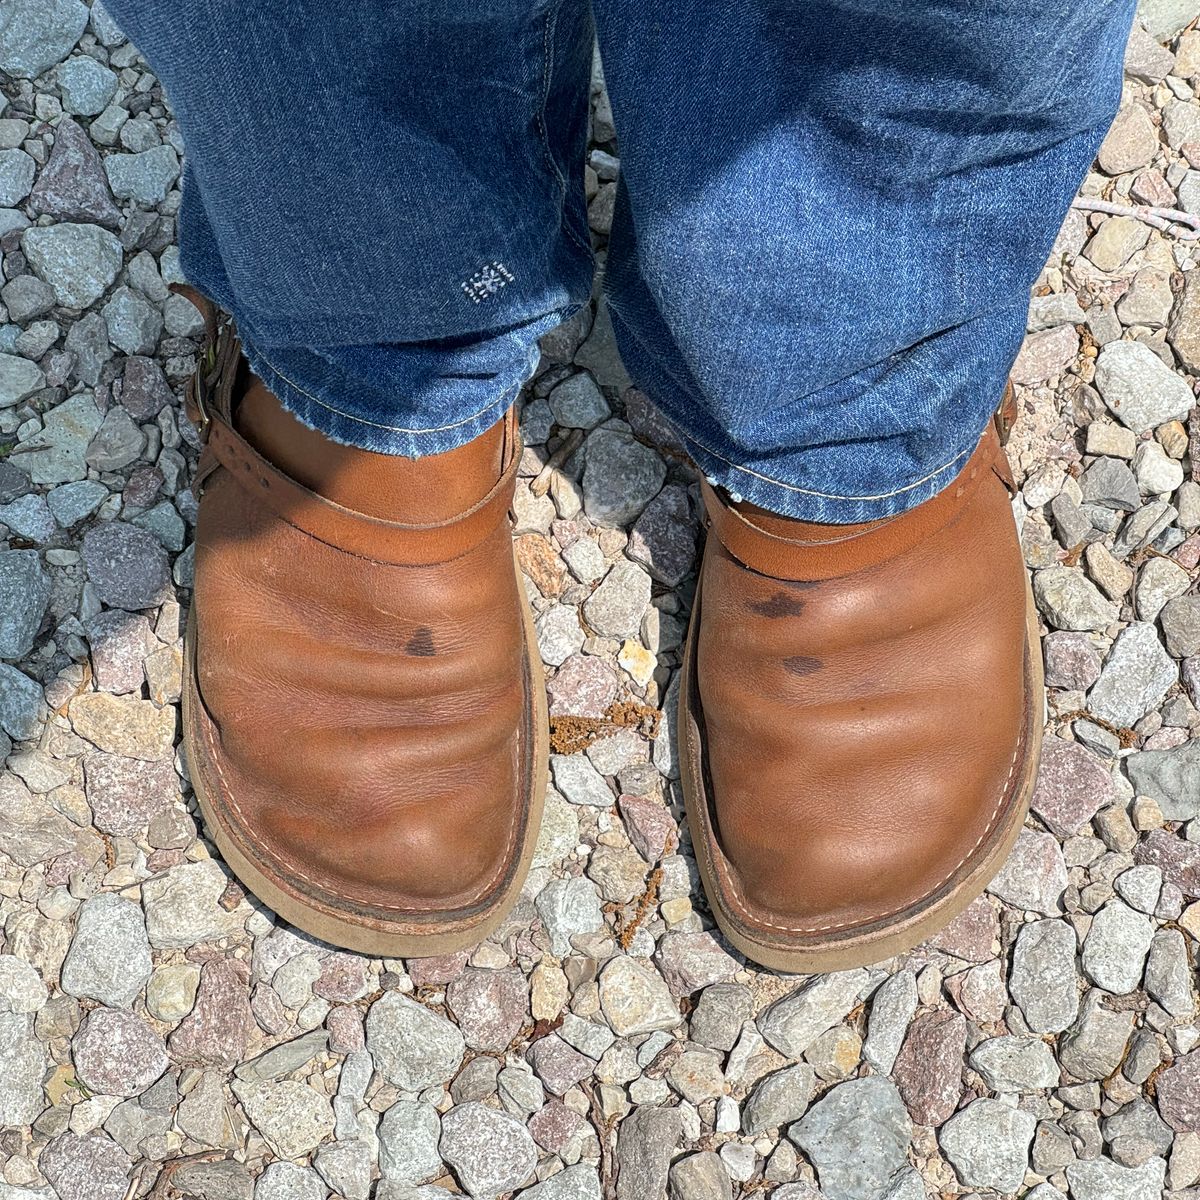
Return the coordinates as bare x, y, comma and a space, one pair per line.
828, 218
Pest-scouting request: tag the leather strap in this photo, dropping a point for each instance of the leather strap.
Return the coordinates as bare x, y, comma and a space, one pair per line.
209, 401
802, 552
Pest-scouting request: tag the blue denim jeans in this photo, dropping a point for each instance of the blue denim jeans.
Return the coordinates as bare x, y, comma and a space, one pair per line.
828, 219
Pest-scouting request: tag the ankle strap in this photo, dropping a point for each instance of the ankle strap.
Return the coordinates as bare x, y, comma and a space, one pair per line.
209, 400
801, 552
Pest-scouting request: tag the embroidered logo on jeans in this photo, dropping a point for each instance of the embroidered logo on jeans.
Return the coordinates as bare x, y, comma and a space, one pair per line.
487, 281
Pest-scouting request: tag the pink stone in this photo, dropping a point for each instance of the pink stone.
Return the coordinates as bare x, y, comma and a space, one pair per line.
345, 1025
971, 934
124, 793
650, 826
217, 1030
489, 1006
928, 1069
690, 961
436, 970
584, 686
1072, 786
1178, 1091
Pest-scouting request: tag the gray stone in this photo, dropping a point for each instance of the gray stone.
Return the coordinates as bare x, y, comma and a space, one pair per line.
145, 177
1110, 482
1115, 949
569, 907
117, 1053
109, 959
134, 324
1069, 600
1135, 678
287, 1181
117, 442
795, 1021
579, 782
27, 297
1101, 1179
988, 1143
1136, 1133
1094, 1046
646, 1140
577, 403
346, 1167
719, 1014
22, 704
692, 959
1142, 527
86, 85
183, 906
19, 379
126, 565
56, 455
1171, 777
291, 1116
78, 261
1162, 20
1168, 974
1015, 1064
491, 1152
408, 1142
621, 476
1180, 620
663, 539
21, 987
778, 1099
22, 1066
892, 1008
36, 34
16, 177
412, 1047
635, 998
1141, 391
87, 339
857, 1137
24, 597
700, 1176
580, 1182
29, 517
225, 1180
31, 828
615, 608
1043, 981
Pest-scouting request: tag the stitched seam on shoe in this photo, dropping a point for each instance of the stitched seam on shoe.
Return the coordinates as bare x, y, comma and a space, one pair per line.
206, 726
746, 912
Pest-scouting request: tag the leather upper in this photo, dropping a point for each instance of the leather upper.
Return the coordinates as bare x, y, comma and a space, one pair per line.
360, 659
864, 700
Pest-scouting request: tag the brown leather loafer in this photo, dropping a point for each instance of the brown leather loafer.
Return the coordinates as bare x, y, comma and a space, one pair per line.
860, 720
364, 713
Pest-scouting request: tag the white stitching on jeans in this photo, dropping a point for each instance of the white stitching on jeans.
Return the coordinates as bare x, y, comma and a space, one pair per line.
829, 495
377, 424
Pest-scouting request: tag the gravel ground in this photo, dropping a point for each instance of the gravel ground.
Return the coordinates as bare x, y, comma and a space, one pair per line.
159, 1030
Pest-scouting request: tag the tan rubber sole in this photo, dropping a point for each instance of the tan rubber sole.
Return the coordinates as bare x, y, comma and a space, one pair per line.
891, 936
376, 938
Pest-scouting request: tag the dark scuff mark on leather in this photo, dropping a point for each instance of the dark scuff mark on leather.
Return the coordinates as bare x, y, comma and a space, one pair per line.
801, 664
779, 605
420, 645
